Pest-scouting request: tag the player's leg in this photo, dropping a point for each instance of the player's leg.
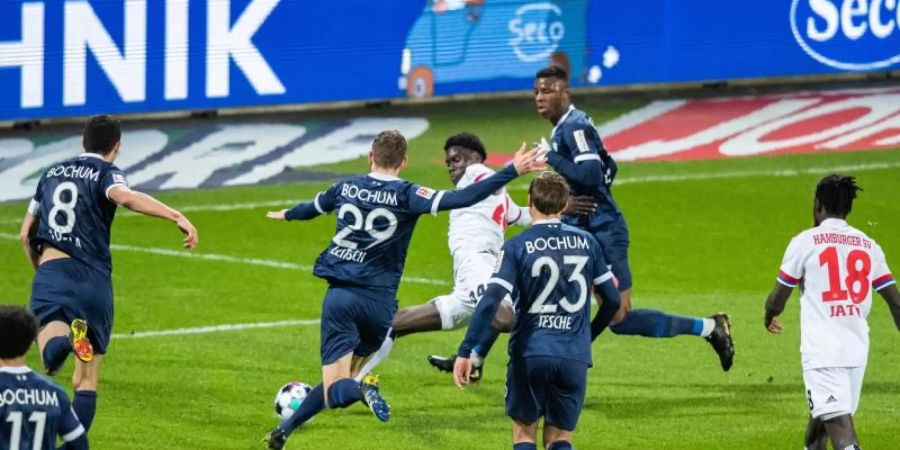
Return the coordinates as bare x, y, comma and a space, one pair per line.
417, 319
564, 402
54, 345
524, 404
85, 380
504, 320
815, 438
830, 391
375, 339
54, 293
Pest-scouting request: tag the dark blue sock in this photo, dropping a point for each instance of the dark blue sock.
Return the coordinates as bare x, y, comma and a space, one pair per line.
486, 340
525, 446
561, 445
343, 393
312, 404
55, 353
85, 406
653, 323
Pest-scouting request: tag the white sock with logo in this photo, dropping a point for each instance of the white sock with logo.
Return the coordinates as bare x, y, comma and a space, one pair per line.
708, 326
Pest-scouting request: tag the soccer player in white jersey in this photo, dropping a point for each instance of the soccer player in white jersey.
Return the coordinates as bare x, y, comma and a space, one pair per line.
475, 236
837, 268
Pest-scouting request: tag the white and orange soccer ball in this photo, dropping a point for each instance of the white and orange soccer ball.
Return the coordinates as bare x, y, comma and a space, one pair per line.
290, 397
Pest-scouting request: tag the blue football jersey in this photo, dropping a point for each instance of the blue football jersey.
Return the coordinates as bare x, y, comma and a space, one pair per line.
550, 270
376, 216
75, 214
576, 139
34, 412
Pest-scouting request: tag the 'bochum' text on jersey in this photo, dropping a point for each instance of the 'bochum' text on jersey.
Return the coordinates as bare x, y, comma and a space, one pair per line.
34, 411
74, 209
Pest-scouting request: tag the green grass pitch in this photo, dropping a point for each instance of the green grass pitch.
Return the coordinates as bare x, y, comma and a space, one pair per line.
698, 246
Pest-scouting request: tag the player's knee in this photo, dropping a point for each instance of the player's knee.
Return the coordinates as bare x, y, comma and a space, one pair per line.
343, 393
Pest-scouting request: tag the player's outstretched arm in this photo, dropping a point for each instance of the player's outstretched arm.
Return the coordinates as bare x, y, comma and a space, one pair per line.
775, 306
481, 320
524, 161
29, 227
892, 296
608, 300
142, 203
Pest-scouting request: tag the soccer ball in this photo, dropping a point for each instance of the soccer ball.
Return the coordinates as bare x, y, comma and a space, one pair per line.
290, 397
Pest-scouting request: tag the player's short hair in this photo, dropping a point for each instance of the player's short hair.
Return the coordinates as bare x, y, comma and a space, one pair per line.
835, 194
466, 140
552, 72
18, 329
389, 149
101, 134
549, 192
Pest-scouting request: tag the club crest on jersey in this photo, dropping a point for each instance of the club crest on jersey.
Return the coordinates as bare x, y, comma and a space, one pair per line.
581, 141
499, 262
425, 193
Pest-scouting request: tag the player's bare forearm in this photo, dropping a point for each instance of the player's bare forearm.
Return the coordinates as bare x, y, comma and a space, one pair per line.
892, 296
776, 302
29, 226
142, 203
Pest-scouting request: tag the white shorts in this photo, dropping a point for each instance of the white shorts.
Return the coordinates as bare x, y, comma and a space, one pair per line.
833, 391
470, 275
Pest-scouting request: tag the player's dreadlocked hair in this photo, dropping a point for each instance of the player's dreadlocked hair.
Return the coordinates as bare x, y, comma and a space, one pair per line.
466, 140
836, 192
553, 72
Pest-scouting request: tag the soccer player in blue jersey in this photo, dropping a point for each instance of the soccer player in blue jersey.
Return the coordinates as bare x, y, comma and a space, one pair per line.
65, 234
363, 263
577, 153
33, 410
549, 271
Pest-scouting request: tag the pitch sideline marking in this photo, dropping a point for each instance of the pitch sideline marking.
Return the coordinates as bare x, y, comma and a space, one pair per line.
216, 329
233, 259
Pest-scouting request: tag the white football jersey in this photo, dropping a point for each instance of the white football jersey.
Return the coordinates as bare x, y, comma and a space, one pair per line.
837, 268
480, 227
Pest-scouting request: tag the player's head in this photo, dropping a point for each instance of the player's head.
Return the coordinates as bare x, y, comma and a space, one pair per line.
548, 194
102, 136
551, 92
462, 150
834, 197
388, 151
18, 329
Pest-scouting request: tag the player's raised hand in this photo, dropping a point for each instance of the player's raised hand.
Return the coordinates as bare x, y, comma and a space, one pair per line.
276, 215
526, 160
462, 369
773, 325
580, 205
192, 238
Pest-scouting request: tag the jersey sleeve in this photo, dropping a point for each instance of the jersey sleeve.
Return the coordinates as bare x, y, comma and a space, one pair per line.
517, 215
424, 199
323, 203
70, 427
585, 168
881, 274
114, 178
34, 206
583, 141
506, 270
791, 270
601, 271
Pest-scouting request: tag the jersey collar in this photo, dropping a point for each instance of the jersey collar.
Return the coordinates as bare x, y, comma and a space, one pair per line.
545, 221
20, 370
90, 155
383, 177
563, 119
834, 223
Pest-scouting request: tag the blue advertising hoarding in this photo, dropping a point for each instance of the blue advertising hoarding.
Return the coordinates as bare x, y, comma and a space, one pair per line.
76, 57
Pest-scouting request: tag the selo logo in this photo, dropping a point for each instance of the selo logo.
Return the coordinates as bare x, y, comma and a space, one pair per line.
537, 31
848, 34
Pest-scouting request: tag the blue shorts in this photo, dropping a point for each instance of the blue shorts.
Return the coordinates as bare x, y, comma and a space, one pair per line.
548, 387
611, 232
67, 289
354, 319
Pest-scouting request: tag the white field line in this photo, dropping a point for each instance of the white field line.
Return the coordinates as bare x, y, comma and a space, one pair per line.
216, 329
233, 259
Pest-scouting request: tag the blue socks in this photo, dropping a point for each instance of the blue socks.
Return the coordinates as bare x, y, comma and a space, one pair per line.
85, 406
343, 393
561, 445
653, 323
55, 353
525, 446
312, 404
